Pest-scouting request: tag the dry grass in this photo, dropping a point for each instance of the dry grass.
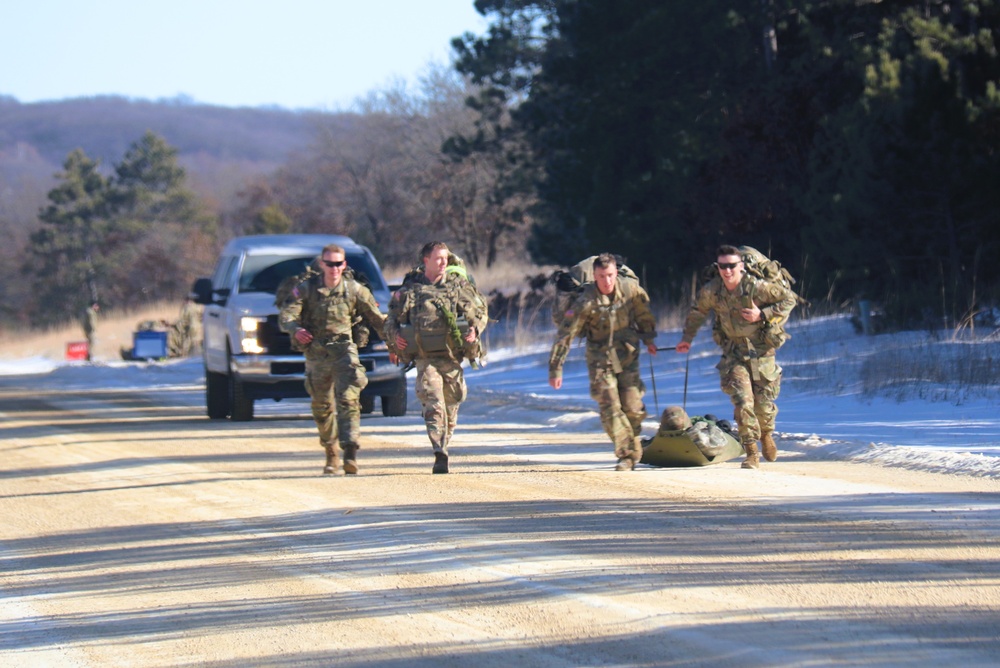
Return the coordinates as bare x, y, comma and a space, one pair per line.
952, 371
114, 331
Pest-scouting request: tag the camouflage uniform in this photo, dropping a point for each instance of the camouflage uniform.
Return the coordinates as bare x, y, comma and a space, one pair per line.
334, 374
437, 349
613, 325
89, 322
184, 334
748, 371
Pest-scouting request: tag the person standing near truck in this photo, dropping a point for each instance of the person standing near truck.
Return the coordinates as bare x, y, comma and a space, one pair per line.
319, 316
88, 320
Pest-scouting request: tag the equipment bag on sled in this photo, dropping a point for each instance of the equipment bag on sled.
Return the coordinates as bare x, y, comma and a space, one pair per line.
690, 441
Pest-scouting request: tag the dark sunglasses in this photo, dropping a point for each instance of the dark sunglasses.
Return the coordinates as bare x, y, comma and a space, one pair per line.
728, 265
330, 264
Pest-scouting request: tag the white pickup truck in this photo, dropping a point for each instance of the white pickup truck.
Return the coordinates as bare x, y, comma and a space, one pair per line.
247, 357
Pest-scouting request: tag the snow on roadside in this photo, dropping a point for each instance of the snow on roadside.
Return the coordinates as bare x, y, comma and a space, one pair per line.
835, 423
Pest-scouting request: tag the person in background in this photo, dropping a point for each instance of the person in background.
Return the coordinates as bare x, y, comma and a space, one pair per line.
184, 334
89, 322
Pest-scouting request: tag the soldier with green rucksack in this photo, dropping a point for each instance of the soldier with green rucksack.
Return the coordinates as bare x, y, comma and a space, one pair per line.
751, 298
435, 321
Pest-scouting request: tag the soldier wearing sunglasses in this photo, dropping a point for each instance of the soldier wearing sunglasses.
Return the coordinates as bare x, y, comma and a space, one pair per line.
748, 314
319, 315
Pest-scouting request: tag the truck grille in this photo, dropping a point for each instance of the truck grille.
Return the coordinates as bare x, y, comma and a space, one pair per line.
275, 341
288, 368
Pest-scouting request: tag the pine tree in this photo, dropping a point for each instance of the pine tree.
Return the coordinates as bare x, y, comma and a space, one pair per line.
67, 253
121, 240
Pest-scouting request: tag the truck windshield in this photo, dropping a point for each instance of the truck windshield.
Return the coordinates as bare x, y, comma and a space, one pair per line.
264, 273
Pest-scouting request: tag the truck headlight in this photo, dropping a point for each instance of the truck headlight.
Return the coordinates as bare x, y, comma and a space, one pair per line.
248, 331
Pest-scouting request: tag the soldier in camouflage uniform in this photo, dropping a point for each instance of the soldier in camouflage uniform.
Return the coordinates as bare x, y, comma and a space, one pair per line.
319, 315
424, 324
184, 334
88, 320
613, 313
749, 314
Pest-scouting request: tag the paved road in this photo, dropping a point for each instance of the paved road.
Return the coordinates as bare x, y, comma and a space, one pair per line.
135, 532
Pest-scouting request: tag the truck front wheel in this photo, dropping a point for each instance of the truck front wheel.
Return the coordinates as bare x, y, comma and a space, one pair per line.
394, 405
242, 404
216, 395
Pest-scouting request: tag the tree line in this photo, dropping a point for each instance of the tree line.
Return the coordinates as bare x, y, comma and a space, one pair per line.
141, 229
854, 141
121, 240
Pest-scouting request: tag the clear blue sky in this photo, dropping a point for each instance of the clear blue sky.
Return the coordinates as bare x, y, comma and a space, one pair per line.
297, 54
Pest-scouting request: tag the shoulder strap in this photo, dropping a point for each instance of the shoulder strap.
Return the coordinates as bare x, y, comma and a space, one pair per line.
628, 286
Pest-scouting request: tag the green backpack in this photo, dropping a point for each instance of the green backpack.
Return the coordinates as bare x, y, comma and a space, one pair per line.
457, 327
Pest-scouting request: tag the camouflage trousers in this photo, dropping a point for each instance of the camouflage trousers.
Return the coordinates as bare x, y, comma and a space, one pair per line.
440, 387
334, 382
753, 400
619, 399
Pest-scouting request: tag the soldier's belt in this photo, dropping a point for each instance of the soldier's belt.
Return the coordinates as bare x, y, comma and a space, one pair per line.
336, 341
334, 346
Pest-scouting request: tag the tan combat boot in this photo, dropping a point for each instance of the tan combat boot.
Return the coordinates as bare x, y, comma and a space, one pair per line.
753, 459
631, 458
331, 459
350, 459
625, 464
767, 446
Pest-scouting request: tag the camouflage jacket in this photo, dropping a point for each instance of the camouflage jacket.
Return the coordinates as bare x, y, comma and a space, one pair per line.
329, 313
730, 330
612, 324
432, 310
189, 320
88, 319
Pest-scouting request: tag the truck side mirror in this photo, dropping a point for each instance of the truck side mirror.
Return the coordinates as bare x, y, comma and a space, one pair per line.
201, 291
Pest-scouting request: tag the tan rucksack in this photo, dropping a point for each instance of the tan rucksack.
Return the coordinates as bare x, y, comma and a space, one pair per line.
759, 266
764, 268
286, 291
569, 285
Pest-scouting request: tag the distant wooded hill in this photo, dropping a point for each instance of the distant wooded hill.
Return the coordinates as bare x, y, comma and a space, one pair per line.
104, 127
222, 150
